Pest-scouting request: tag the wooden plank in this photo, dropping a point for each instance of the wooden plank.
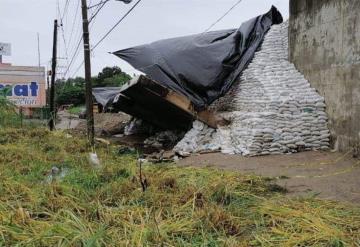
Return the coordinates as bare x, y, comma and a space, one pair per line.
147, 99
180, 101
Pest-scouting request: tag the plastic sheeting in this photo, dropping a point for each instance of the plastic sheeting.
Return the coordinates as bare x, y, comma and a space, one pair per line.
202, 67
105, 95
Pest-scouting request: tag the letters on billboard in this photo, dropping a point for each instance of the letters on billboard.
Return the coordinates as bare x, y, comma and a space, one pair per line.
22, 94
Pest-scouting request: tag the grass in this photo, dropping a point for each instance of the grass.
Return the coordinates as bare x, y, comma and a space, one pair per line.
181, 206
8, 114
76, 110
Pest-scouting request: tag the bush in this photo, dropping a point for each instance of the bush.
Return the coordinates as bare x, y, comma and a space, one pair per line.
8, 113
71, 94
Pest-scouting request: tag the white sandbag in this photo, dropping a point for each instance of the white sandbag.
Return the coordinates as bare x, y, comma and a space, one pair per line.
272, 109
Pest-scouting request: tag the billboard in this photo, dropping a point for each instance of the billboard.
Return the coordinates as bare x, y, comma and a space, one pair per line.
5, 49
24, 86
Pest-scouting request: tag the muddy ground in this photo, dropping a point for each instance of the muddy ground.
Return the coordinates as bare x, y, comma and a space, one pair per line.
332, 176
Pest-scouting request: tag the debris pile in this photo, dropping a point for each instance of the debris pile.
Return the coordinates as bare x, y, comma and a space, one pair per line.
107, 124
272, 109
138, 126
164, 140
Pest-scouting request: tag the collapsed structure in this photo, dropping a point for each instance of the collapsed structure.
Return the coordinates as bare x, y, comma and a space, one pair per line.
272, 109
267, 107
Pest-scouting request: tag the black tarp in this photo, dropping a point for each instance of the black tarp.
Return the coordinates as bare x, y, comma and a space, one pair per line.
105, 95
202, 67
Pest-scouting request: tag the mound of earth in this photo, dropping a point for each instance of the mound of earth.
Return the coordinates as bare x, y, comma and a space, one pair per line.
106, 124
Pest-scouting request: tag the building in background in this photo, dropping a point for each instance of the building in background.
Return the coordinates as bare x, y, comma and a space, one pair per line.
24, 85
325, 46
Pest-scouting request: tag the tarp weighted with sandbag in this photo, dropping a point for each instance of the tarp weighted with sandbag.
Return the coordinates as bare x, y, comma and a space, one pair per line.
202, 67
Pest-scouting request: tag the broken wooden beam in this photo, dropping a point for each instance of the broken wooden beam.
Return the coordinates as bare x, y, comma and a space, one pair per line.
148, 100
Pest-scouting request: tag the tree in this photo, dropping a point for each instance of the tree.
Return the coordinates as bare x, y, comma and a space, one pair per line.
111, 77
72, 90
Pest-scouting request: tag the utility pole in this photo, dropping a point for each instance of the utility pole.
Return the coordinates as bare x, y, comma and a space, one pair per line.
88, 86
53, 74
38, 43
48, 74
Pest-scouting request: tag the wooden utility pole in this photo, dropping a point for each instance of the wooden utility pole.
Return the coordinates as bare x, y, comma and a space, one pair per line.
88, 86
53, 74
38, 43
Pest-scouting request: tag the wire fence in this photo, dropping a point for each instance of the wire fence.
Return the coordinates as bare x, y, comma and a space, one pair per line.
16, 117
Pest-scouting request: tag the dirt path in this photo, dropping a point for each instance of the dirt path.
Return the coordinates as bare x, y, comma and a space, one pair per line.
333, 176
67, 121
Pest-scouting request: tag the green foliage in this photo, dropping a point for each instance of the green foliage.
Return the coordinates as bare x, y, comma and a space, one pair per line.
72, 90
71, 94
8, 113
111, 77
76, 109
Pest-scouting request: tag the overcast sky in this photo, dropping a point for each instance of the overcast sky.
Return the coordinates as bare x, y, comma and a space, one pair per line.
151, 20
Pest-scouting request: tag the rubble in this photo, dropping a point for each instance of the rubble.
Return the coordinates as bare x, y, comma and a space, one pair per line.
106, 124
164, 140
272, 109
146, 99
138, 126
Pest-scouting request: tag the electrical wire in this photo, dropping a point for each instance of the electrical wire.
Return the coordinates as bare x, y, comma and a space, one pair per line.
77, 69
64, 40
74, 22
116, 24
74, 56
96, 12
95, 5
66, 7
108, 33
61, 16
76, 52
222, 17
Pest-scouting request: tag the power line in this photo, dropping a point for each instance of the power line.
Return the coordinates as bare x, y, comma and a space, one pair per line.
74, 33
78, 68
61, 16
77, 35
108, 33
95, 5
66, 7
98, 10
74, 55
222, 17
75, 19
116, 24
64, 40
76, 52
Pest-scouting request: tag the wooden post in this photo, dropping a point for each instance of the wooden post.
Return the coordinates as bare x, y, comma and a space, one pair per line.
21, 116
88, 92
53, 74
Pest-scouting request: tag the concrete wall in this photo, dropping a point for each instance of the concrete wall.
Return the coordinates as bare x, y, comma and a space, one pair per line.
325, 46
